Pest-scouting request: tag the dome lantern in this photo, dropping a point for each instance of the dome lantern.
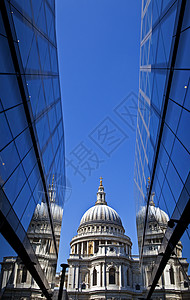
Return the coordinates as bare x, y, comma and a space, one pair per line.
101, 194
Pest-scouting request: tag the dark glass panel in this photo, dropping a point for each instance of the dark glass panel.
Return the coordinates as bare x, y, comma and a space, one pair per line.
13, 186
6, 65
6, 136
9, 160
24, 7
183, 58
9, 96
56, 87
186, 17
25, 35
2, 28
17, 119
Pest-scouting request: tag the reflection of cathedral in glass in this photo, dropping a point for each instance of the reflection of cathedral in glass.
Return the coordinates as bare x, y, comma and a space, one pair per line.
101, 265
15, 278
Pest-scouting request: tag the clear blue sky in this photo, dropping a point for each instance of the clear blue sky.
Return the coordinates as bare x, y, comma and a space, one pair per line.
99, 49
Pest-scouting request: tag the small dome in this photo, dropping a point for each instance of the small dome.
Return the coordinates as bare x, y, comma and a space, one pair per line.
41, 212
154, 213
99, 214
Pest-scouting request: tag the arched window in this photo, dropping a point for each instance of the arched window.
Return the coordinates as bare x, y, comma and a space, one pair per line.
94, 277
171, 271
112, 276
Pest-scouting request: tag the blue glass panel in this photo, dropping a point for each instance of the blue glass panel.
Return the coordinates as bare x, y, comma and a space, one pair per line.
9, 96
32, 65
34, 177
173, 115
179, 83
174, 181
6, 136
36, 5
48, 90
29, 162
168, 139
56, 88
183, 132
187, 97
158, 89
26, 218
17, 119
54, 62
34, 90
41, 21
49, 18
40, 104
44, 53
13, 186
22, 200
9, 160
181, 160
166, 191
23, 143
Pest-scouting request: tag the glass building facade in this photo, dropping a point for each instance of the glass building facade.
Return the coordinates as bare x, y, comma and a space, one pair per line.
31, 128
162, 161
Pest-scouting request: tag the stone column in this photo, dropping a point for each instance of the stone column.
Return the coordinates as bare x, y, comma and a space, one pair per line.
77, 277
87, 248
77, 248
82, 248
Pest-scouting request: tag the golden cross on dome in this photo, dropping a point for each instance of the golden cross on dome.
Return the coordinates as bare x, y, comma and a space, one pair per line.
101, 180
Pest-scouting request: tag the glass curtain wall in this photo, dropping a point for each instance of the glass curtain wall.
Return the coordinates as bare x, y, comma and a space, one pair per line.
31, 130
162, 161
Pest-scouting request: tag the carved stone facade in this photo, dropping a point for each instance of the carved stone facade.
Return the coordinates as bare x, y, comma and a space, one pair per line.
101, 265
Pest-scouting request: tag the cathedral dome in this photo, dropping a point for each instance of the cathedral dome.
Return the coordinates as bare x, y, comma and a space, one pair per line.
101, 213
154, 213
41, 212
